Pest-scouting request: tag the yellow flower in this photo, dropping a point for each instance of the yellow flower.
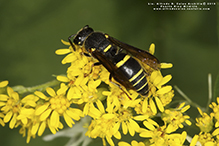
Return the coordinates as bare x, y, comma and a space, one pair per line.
70, 57
143, 111
19, 112
133, 143
76, 133
81, 65
215, 113
10, 106
83, 77
55, 106
205, 123
126, 118
159, 135
121, 98
31, 123
204, 138
175, 117
161, 93
162, 96
98, 127
113, 118
28, 120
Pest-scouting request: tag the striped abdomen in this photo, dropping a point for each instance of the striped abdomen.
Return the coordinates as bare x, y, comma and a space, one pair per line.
131, 69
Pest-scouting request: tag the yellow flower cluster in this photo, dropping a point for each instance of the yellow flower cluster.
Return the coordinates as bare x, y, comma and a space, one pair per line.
86, 85
35, 112
208, 124
85, 90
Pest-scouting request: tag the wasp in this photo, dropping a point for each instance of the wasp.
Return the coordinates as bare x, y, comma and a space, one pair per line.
127, 68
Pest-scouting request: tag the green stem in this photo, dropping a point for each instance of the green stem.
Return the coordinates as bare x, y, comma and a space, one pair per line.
209, 91
21, 89
190, 102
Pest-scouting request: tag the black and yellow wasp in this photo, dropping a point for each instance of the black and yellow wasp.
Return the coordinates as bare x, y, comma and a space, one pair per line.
126, 69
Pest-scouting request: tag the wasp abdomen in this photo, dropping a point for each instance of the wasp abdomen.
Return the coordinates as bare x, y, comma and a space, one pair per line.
133, 71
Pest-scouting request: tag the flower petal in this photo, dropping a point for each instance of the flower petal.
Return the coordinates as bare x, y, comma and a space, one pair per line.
42, 128
124, 128
45, 114
65, 42
153, 107
62, 79
54, 119
62, 51
35, 128
3, 97
41, 109
68, 120
148, 125
100, 106
50, 91
3, 84
165, 79
40, 94
144, 106
159, 104
164, 90
8, 116
13, 121
166, 65
152, 48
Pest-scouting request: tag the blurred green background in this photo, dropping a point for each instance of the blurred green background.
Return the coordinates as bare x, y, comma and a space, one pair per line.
31, 32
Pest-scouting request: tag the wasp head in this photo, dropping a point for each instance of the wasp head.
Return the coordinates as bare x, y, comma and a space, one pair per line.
82, 34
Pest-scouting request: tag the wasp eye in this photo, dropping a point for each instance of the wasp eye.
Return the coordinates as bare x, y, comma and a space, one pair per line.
77, 40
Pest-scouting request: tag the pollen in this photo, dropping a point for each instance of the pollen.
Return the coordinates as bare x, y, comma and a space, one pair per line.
59, 103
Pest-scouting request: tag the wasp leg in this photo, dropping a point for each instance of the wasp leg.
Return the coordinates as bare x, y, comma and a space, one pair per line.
69, 39
95, 64
119, 50
110, 79
86, 54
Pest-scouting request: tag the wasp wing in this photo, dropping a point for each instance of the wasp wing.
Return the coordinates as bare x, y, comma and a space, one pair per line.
111, 67
141, 55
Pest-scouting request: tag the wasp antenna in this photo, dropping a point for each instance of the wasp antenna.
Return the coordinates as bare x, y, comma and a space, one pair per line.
86, 26
69, 39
